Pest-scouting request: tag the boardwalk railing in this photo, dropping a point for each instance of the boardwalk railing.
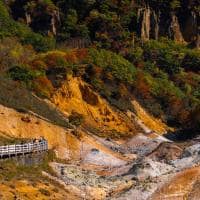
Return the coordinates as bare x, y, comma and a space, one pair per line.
16, 149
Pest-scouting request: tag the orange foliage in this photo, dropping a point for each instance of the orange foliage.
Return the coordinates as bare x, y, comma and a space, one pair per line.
123, 90
58, 58
76, 56
27, 54
38, 64
96, 71
81, 54
53, 59
139, 64
190, 79
142, 86
108, 76
43, 85
71, 57
178, 109
184, 116
176, 104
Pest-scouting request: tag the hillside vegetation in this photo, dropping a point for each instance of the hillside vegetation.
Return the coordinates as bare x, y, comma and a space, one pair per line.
162, 74
113, 86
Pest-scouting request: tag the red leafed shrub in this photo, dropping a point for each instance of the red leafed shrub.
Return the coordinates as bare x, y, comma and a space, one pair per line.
178, 110
55, 59
65, 59
139, 64
176, 104
76, 56
43, 86
95, 71
184, 117
142, 86
81, 54
71, 57
38, 64
190, 79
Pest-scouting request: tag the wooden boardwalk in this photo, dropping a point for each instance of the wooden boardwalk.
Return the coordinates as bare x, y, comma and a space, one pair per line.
22, 149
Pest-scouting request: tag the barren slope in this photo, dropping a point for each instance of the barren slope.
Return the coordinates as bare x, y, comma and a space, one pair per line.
76, 95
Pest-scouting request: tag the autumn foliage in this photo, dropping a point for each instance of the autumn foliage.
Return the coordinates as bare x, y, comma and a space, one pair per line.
43, 86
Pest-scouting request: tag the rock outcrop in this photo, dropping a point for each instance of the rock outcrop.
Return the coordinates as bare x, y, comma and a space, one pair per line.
41, 16
76, 95
178, 23
178, 20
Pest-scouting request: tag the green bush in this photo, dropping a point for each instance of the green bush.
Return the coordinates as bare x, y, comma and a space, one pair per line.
191, 61
9, 28
165, 88
3, 9
175, 4
166, 54
20, 73
112, 63
135, 54
39, 42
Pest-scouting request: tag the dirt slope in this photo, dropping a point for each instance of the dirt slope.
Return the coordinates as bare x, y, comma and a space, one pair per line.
26, 190
76, 145
20, 125
64, 141
180, 187
76, 95
148, 120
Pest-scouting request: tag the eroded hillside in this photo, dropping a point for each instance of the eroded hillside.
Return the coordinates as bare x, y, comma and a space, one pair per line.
73, 144
91, 163
113, 86
77, 96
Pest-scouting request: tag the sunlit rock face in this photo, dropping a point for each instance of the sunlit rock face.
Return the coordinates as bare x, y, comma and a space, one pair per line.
176, 21
77, 96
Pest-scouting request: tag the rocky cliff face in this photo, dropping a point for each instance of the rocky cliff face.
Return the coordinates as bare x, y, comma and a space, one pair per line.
176, 21
39, 15
77, 96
